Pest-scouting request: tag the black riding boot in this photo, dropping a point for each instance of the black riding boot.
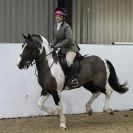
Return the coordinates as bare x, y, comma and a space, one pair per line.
74, 82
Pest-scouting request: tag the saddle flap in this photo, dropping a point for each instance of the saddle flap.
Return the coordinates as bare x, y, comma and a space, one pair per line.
65, 68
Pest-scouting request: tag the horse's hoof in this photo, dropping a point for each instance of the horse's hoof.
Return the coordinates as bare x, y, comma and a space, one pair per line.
90, 112
54, 112
109, 111
62, 126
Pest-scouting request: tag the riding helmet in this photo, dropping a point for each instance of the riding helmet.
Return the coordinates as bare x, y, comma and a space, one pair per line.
61, 11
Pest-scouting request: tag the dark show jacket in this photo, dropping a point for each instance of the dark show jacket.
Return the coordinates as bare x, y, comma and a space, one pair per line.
63, 39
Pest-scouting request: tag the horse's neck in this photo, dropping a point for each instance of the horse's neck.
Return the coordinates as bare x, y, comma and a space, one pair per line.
46, 45
48, 51
43, 63
46, 59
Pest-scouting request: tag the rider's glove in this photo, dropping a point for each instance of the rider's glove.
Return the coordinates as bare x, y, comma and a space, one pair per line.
55, 47
59, 45
52, 45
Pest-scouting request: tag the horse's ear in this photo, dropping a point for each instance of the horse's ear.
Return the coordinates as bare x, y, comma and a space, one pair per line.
29, 36
25, 37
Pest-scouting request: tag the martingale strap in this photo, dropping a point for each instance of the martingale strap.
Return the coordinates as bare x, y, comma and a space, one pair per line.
46, 70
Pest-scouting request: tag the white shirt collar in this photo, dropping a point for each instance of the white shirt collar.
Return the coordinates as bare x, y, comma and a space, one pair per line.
58, 25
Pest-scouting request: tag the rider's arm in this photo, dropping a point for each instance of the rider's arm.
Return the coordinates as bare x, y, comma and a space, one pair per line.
68, 39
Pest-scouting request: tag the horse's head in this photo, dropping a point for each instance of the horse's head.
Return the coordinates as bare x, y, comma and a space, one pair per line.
32, 48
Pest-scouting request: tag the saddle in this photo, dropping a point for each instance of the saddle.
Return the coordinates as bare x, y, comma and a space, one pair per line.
65, 68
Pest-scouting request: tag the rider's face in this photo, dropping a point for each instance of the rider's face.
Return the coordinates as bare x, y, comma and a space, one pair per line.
59, 18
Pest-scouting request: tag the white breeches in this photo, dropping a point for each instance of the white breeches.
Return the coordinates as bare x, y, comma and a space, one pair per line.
70, 57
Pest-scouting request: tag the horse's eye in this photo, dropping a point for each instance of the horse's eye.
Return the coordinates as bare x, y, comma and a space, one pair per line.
20, 55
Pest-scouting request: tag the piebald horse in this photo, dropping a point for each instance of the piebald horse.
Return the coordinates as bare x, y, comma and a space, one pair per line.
96, 75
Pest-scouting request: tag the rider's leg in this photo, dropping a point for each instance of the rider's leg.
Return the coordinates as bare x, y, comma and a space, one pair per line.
69, 58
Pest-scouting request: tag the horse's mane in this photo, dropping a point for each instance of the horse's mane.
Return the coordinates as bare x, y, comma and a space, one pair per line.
43, 41
37, 38
49, 51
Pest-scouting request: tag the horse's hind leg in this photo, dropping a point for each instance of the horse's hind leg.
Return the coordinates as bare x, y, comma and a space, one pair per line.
42, 100
89, 103
95, 93
57, 100
107, 99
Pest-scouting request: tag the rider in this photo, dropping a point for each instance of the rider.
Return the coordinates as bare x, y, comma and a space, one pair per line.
63, 40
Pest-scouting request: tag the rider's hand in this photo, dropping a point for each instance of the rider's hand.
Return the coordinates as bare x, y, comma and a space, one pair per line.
58, 45
52, 45
55, 47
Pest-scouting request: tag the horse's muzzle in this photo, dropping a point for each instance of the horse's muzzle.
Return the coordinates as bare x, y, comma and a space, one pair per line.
24, 65
20, 66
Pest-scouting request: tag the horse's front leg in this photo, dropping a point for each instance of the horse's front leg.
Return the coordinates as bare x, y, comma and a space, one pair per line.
58, 102
42, 100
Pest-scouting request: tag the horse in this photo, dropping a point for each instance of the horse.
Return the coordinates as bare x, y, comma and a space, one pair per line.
96, 75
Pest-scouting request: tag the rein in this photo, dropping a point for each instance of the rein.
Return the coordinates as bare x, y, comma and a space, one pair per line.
39, 60
32, 63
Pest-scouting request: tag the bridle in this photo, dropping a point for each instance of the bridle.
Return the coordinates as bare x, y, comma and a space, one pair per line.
39, 59
31, 63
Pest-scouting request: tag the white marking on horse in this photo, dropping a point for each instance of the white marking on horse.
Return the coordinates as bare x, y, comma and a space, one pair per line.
56, 69
41, 50
41, 102
93, 97
25, 44
19, 58
108, 88
60, 112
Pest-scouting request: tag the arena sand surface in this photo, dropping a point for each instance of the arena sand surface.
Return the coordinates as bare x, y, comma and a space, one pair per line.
120, 122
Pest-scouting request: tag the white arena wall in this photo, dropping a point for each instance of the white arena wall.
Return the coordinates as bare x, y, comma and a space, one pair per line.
19, 90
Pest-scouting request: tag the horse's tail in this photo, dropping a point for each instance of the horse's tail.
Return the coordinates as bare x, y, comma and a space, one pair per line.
113, 80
